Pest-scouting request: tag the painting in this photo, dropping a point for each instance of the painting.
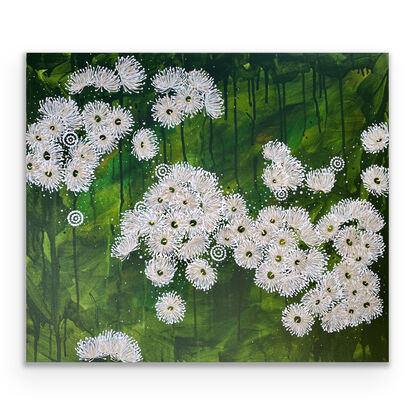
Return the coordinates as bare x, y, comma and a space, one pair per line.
207, 207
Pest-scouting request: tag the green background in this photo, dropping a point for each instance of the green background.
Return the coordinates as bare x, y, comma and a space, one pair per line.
317, 103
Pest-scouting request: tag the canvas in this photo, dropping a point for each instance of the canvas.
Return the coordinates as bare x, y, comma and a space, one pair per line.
207, 207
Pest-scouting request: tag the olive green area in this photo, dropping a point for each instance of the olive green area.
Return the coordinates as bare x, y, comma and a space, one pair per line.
316, 103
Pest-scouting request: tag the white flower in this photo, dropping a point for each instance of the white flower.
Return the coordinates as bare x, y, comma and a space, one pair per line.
376, 180
118, 345
80, 79
225, 236
297, 217
162, 242
65, 110
213, 103
265, 276
95, 114
370, 306
78, 176
297, 320
49, 176
120, 121
195, 246
106, 79
35, 138
102, 139
277, 254
317, 302
130, 223
320, 180
371, 246
272, 215
276, 152
170, 308
145, 144
331, 286
241, 226
85, 153
150, 221
131, 73
336, 319
234, 205
201, 275
347, 271
347, 242
32, 166
200, 80
370, 281
166, 112
328, 226
284, 239
316, 264
189, 101
375, 138
262, 233
160, 271
169, 79
248, 254
123, 247
49, 152
52, 127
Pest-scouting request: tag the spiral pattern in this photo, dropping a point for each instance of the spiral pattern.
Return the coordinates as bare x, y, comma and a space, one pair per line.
139, 206
281, 194
75, 218
218, 253
70, 139
337, 163
162, 170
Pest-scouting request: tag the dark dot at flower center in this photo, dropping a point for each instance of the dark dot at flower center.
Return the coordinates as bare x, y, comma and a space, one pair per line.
354, 292
379, 140
270, 275
282, 242
203, 271
297, 319
249, 254
102, 137
170, 308
317, 302
46, 155
151, 223
188, 98
160, 272
192, 222
75, 173
52, 128
349, 242
169, 111
377, 180
97, 118
366, 305
142, 144
263, 232
359, 258
160, 200
163, 241
297, 262
330, 228
234, 209
367, 246
171, 189
117, 121
48, 173
272, 220
278, 258
174, 224
365, 283
347, 275
38, 138
29, 166
351, 311
241, 229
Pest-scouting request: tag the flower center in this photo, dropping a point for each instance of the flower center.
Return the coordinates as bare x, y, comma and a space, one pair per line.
317, 302
188, 98
378, 140
347, 275
297, 319
241, 229
349, 242
151, 223
52, 128
354, 292
278, 258
29, 166
203, 271
328, 290
263, 232
117, 121
171, 189
272, 220
163, 241
249, 254
365, 283
142, 144
367, 246
270, 275
48, 173
297, 262
351, 311
170, 308
169, 111
330, 228
359, 258
75, 173
192, 222
366, 305
174, 224
160, 272
97, 118
234, 209
38, 138
282, 242
160, 200
102, 137
376, 180
46, 155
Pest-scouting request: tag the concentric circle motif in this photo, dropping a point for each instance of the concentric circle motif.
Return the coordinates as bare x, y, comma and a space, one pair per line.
281, 194
162, 170
218, 253
75, 218
139, 206
70, 139
337, 163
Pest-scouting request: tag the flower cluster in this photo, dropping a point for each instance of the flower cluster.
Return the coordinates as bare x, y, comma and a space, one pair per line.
64, 145
348, 294
177, 221
128, 74
117, 345
183, 94
285, 172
